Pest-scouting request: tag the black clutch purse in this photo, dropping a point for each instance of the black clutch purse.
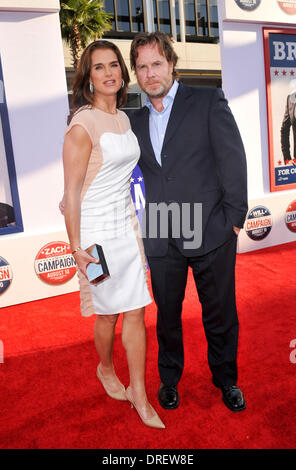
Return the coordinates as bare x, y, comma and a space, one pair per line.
97, 272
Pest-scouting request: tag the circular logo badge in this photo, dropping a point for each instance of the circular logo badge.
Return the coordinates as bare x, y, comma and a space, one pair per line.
5, 275
258, 223
248, 5
288, 6
54, 263
291, 216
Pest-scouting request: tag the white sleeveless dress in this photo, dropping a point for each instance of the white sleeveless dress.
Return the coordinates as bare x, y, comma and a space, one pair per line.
108, 217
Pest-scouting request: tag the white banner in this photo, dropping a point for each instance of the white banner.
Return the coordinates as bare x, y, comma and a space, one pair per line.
259, 11
30, 5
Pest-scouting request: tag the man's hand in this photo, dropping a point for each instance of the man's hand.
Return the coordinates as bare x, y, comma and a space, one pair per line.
236, 230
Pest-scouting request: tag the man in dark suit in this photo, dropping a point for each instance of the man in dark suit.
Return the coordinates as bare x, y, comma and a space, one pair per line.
191, 155
289, 120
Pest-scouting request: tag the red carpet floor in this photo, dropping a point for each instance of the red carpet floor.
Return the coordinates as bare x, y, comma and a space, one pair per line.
50, 397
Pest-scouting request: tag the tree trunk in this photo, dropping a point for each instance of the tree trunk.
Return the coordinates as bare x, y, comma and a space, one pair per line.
75, 46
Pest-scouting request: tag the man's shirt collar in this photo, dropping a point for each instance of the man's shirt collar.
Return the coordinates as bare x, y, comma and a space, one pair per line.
169, 98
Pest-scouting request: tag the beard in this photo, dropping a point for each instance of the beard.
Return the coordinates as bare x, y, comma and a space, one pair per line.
159, 92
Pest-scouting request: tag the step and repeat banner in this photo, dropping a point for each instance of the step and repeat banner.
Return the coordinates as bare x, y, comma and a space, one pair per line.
35, 257
35, 261
259, 11
258, 58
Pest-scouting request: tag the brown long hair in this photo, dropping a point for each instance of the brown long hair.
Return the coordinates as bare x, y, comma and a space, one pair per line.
82, 96
164, 44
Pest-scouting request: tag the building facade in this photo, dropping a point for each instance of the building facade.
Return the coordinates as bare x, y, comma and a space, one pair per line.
192, 25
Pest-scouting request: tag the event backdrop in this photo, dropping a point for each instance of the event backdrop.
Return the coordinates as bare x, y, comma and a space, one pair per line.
258, 66
36, 262
34, 109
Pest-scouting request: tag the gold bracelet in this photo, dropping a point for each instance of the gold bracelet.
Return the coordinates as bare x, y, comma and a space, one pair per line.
77, 249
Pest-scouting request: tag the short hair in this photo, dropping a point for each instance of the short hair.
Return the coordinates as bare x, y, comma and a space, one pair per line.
164, 44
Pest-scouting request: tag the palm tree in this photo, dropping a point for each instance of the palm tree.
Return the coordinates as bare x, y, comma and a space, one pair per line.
82, 21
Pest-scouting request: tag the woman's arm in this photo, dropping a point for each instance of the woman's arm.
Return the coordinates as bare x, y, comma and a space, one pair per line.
76, 153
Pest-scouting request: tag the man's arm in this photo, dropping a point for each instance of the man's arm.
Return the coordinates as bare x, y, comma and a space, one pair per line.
230, 158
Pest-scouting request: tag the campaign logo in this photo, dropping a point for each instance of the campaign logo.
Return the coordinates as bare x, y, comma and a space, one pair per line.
291, 216
288, 6
258, 223
5, 275
138, 192
248, 5
54, 263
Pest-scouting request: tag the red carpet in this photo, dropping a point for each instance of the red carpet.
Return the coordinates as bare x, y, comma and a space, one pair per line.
50, 397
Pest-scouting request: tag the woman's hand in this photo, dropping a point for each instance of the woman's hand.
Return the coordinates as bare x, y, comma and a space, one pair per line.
82, 259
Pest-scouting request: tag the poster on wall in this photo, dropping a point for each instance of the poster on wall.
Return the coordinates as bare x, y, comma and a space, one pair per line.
280, 73
10, 215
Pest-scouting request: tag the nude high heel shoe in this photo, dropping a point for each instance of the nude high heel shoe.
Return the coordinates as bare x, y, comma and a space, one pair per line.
120, 395
154, 422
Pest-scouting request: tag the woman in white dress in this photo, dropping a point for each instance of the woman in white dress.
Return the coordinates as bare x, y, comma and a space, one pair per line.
99, 155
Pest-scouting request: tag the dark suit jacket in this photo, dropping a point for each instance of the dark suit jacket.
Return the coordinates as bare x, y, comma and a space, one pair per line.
203, 161
288, 121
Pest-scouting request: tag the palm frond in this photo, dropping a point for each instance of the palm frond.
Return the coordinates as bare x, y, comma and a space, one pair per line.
83, 21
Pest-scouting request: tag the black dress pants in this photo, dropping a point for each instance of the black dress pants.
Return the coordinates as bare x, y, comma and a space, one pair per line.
214, 275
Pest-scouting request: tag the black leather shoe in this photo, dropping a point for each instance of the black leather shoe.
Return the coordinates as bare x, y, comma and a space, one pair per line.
232, 396
168, 396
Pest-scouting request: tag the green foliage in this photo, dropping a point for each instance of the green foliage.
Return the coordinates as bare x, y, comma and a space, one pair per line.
83, 21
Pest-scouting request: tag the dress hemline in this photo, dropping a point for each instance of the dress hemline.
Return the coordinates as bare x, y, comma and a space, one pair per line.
124, 310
